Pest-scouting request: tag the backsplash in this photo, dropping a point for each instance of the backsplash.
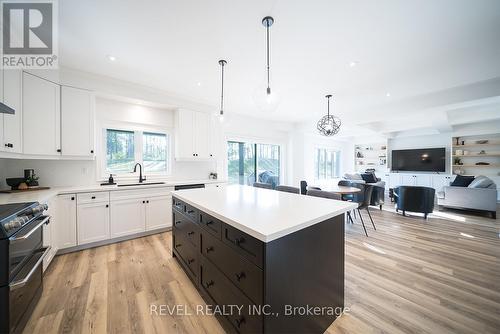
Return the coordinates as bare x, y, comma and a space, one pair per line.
63, 173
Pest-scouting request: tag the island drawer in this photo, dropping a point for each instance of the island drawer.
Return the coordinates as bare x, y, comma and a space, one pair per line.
211, 224
244, 274
246, 245
188, 254
178, 205
192, 213
224, 293
184, 227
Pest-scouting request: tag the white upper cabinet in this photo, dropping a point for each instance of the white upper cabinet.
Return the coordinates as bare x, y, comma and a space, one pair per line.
41, 116
193, 135
12, 124
184, 134
202, 135
77, 122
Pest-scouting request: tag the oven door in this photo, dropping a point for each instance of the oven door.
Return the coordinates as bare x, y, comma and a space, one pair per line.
25, 290
24, 243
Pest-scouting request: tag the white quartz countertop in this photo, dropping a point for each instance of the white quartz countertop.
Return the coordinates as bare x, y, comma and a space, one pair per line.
45, 195
262, 213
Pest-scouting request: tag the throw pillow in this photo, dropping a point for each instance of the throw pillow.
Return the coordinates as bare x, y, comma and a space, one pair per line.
369, 177
462, 181
356, 176
481, 182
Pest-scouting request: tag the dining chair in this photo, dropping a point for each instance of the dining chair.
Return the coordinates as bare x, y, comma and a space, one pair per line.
347, 197
329, 195
262, 185
288, 189
363, 199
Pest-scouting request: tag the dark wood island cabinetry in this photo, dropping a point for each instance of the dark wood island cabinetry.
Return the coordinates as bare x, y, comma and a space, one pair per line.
291, 284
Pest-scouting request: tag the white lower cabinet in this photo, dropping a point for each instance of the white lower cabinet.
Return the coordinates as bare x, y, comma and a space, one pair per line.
127, 217
102, 215
158, 212
64, 222
93, 222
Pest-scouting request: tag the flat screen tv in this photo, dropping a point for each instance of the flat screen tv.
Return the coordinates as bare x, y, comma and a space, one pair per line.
419, 160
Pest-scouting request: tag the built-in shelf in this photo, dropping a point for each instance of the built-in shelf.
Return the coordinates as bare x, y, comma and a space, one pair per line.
475, 155
373, 155
466, 164
474, 166
473, 145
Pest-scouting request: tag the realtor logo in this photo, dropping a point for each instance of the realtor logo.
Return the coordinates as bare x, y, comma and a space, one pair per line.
29, 34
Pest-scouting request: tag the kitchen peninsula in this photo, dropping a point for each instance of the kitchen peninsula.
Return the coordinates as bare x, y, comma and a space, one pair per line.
273, 254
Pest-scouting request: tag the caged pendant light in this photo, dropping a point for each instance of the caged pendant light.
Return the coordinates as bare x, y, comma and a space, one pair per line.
329, 125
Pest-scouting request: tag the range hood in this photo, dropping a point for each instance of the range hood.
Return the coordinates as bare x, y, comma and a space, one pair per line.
5, 109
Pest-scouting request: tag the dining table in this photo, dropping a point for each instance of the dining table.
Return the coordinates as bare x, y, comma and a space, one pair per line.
341, 190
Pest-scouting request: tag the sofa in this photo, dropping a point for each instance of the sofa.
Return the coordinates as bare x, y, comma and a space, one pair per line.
480, 194
378, 193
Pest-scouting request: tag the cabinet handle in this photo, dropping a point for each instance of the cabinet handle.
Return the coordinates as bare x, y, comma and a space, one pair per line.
210, 249
209, 284
239, 241
107, 205
147, 201
92, 151
191, 233
211, 155
59, 150
190, 211
240, 322
93, 197
6, 145
209, 223
178, 222
194, 155
190, 261
240, 276
178, 245
72, 198
143, 202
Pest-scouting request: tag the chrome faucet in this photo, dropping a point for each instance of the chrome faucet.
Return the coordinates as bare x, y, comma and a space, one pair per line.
140, 172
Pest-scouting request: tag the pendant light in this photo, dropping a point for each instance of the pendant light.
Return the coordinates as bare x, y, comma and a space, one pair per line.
222, 63
329, 125
267, 100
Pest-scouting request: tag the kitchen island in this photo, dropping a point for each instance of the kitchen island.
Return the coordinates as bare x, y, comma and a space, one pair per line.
270, 261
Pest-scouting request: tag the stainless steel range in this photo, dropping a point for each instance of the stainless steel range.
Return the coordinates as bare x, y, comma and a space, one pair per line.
21, 257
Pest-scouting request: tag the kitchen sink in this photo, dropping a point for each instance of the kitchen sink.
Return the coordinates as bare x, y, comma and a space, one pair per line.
139, 184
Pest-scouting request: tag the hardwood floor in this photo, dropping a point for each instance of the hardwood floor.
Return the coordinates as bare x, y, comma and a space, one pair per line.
440, 275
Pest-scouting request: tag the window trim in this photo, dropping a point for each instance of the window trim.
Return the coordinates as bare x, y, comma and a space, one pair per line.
138, 130
331, 150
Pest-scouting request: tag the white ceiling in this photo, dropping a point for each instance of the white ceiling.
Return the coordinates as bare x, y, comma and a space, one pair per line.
416, 50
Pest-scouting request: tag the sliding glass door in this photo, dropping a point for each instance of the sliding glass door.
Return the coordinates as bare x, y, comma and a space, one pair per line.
250, 162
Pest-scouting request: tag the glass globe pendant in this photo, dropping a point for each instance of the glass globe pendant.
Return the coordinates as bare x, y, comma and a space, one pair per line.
222, 63
267, 100
329, 125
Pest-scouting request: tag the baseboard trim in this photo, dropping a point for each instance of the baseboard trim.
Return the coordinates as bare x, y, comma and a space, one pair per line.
112, 241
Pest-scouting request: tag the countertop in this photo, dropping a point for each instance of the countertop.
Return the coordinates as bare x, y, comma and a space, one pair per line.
262, 213
45, 195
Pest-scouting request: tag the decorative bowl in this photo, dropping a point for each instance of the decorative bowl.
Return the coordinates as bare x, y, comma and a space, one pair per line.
14, 182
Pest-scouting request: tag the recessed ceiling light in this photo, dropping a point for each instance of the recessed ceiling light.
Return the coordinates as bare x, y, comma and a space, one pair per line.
198, 84
353, 63
111, 58
388, 94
